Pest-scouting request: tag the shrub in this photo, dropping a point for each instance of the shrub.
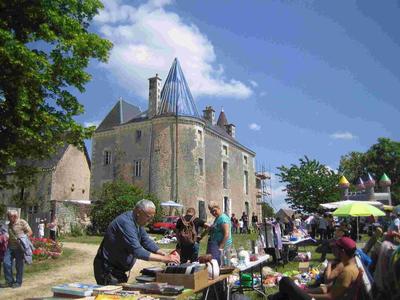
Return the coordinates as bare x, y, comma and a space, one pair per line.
115, 198
77, 229
46, 248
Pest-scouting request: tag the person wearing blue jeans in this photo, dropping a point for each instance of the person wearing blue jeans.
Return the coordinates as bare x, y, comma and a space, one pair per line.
16, 229
11, 255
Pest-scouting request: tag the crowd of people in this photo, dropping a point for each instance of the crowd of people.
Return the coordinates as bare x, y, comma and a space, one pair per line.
342, 276
241, 225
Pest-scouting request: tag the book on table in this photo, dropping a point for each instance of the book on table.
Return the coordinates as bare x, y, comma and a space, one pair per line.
76, 289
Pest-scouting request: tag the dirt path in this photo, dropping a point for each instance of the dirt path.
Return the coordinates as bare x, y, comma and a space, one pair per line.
79, 269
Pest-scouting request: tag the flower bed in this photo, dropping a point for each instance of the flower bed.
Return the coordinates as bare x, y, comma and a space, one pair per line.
46, 248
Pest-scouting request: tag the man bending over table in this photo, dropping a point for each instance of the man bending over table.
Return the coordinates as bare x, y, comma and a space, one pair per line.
126, 240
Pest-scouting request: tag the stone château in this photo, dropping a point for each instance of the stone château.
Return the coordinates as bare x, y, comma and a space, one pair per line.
173, 152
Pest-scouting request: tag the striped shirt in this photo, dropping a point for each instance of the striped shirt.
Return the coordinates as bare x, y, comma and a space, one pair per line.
19, 228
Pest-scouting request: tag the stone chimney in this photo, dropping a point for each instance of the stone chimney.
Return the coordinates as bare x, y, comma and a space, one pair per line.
154, 95
209, 115
231, 130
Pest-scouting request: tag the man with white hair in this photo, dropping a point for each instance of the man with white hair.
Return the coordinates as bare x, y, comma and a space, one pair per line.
125, 241
16, 229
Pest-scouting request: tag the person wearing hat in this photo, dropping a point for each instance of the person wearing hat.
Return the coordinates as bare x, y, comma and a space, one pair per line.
345, 249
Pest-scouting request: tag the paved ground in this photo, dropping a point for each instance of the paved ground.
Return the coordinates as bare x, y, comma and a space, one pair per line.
80, 269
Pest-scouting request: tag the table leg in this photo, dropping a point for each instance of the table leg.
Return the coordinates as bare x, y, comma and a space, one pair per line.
240, 283
206, 297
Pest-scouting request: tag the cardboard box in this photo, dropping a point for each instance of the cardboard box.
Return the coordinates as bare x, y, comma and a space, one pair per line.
191, 281
304, 266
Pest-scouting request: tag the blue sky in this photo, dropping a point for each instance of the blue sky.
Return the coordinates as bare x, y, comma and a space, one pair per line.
315, 78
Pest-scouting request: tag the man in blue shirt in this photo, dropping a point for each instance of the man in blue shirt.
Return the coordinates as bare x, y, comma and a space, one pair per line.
125, 241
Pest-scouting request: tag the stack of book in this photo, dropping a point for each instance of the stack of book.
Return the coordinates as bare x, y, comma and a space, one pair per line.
74, 290
107, 289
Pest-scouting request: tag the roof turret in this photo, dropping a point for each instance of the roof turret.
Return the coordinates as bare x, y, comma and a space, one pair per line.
222, 120
176, 98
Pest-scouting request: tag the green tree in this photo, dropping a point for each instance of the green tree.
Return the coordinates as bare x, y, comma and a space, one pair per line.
115, 198
353, 165
45, 47
267, 210
382, 157
309, 184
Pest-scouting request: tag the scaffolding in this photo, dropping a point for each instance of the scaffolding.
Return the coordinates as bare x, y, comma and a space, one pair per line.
263, 185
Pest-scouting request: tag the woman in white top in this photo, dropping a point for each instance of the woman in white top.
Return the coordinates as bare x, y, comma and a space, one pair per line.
41, 229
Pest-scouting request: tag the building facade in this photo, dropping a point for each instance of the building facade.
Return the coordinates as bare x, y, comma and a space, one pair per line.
175, 153
62, 184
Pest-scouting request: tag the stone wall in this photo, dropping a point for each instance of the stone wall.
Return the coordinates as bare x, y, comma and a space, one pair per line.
156, 150
69, 213
71, 178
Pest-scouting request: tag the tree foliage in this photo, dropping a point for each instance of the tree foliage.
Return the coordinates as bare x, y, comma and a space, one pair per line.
267, 210
309, 184
115, 198
45, 46
382, 157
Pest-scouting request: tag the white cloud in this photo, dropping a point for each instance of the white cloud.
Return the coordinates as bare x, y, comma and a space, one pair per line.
343, 136
253, 83
146, 40
254, 126
93, 123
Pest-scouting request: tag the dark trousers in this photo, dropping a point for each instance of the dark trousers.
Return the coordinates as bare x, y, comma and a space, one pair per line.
189, 253
106, 275
288, 290
313, 230
53, 235
325, 248
322, 234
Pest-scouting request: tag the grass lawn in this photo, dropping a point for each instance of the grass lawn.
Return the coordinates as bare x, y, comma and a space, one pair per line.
44, 265
86, 239
239, 240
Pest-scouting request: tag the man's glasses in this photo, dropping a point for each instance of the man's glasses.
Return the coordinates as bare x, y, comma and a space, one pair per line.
148, 215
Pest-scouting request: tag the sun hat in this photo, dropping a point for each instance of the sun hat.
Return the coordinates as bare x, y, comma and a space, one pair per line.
346, 243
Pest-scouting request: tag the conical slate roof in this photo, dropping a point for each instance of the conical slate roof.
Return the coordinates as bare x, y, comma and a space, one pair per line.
176, 98
222, 120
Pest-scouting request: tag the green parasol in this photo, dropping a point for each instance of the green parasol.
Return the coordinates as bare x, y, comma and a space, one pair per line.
358, 209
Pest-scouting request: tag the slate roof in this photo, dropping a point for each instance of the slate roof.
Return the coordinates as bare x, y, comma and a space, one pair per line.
222, 120
50, 162
222, 132
176, 97
122, 112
